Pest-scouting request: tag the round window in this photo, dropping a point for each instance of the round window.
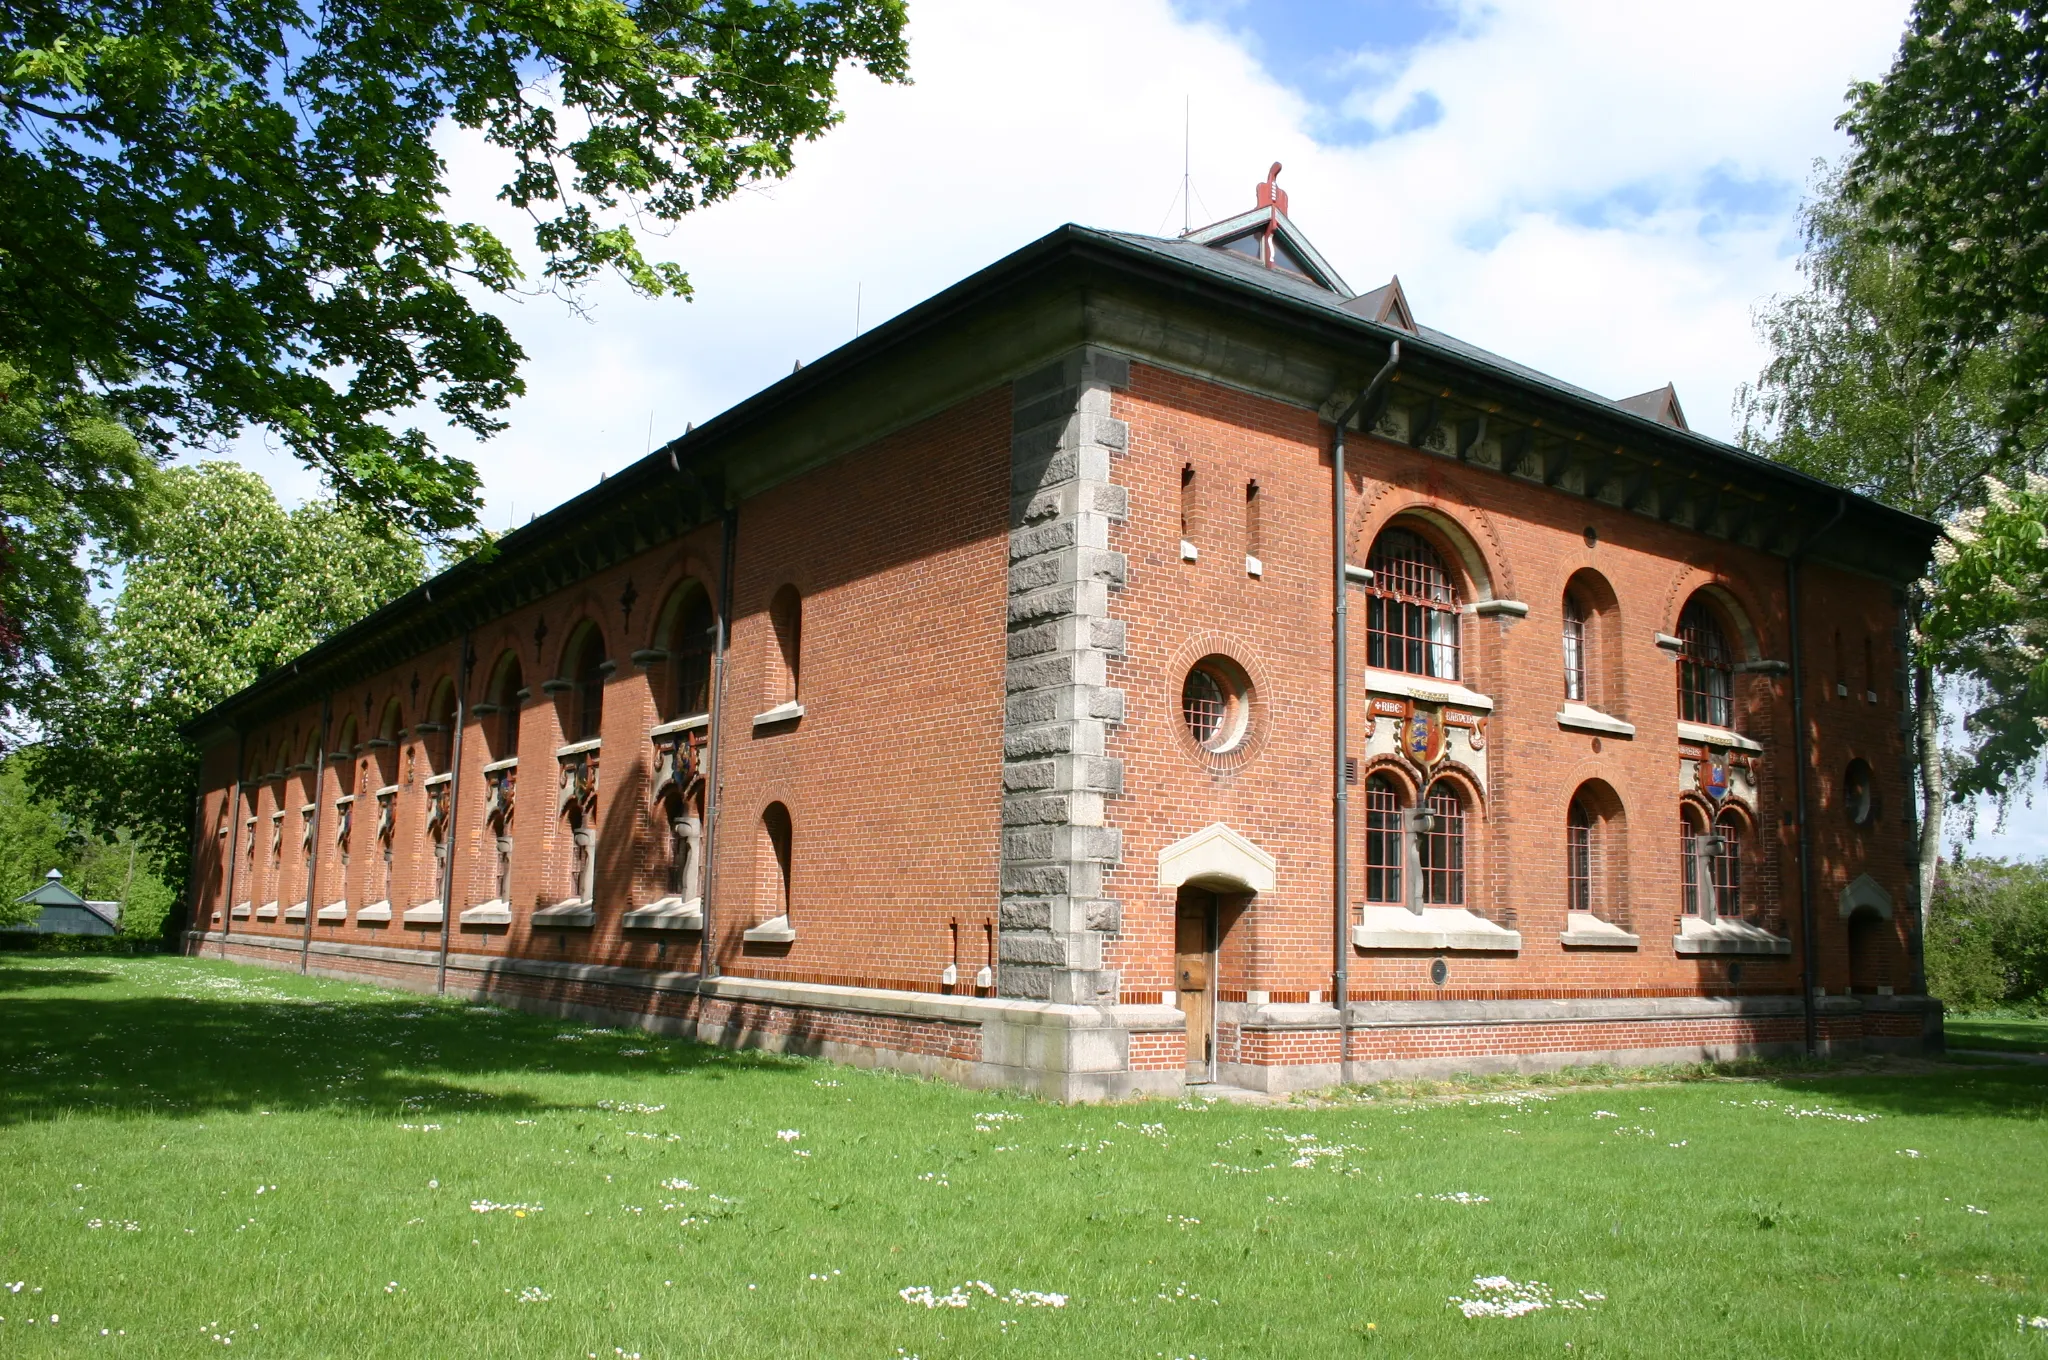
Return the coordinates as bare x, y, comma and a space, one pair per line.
1214, 703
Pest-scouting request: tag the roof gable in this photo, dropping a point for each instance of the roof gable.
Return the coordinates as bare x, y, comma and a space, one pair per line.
1268, 235
1659, 404
1387, 304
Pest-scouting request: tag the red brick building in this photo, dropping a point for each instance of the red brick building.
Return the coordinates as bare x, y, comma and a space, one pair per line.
967, 702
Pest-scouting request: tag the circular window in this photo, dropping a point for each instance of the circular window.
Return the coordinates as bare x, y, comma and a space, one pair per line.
1215, 701
1858, 800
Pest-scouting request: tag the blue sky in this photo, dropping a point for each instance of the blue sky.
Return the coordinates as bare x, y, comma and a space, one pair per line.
1603, 189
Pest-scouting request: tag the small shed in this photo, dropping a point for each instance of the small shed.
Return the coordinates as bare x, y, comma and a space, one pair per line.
64, 912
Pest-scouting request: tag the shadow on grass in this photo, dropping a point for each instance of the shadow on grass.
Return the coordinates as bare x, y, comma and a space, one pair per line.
1995, 1092
51, 979
378, 1055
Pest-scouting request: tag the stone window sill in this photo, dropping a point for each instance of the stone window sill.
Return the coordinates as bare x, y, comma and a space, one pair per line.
577, 748
267, 912
666, 913
1716, 736
509, 763
436, 780
295, 912
1426, 687
334, 911
574, 913
775, 931
781, 713
388, 791
1696, 936
1586, 718
496, 912
1584, 930
1396, 927
240, 911
689, 724
427, 913
375, 912
1253, 566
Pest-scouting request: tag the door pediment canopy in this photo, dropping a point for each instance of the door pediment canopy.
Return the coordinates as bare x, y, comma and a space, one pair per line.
1865, 893
1217, 857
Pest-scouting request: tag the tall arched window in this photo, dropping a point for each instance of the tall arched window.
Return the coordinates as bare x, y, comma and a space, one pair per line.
440, 742
777, 832
1442, 846
1382, 840
506, 685
586, 673
1692, 828
1705, 668
1581, 849
786, 614
1728, 847
690, 649
1574, 649
1411, 609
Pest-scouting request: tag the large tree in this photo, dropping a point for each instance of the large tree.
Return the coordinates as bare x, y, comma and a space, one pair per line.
219, 214
230, 587
1952, 159
1856, 395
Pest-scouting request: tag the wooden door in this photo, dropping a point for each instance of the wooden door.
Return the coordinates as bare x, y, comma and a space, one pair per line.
1194, 943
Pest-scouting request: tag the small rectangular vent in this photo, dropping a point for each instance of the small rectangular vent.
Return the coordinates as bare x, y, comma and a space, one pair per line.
1351, 769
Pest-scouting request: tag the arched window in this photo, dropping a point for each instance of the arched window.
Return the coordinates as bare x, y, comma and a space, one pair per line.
1692, 829
1705, 668
440, 742
1581, 850
1411, 609
1574, 649
1729, 842
690, 650
586, 672
1859, 797
786, 614
506, 685
778, 834
344, 758
1442, 846
1382, 840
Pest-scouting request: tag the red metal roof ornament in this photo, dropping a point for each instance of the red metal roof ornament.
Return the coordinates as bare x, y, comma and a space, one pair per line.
1270, 194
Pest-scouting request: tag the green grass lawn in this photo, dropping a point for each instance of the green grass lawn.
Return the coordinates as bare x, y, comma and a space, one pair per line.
193, 1154
2007, 1033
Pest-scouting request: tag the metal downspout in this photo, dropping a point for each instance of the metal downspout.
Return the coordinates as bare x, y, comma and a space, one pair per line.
227, 920
1809, 962
319, 791
1340, 667
707, 966
463, 667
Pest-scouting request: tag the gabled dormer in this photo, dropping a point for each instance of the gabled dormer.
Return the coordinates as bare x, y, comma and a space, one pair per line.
1265, 234
1386, 304
1660, 405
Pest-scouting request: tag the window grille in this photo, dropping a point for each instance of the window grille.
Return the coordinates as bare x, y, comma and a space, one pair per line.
1202, 704
1728, 870
1574, 651
1382, 841
1443, 852
1689, 861
1411, 612
1705, 669
1579, 852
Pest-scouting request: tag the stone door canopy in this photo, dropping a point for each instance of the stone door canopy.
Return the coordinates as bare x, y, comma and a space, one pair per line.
1219, 858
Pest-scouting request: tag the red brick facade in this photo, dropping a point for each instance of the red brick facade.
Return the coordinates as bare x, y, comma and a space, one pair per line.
877, 801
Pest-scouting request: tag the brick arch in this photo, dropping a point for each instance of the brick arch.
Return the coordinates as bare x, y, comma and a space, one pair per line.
1399, 768
661, 619
484, 672
1469, 531
1467, 782
586, 611
1247, 659
1735, 598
